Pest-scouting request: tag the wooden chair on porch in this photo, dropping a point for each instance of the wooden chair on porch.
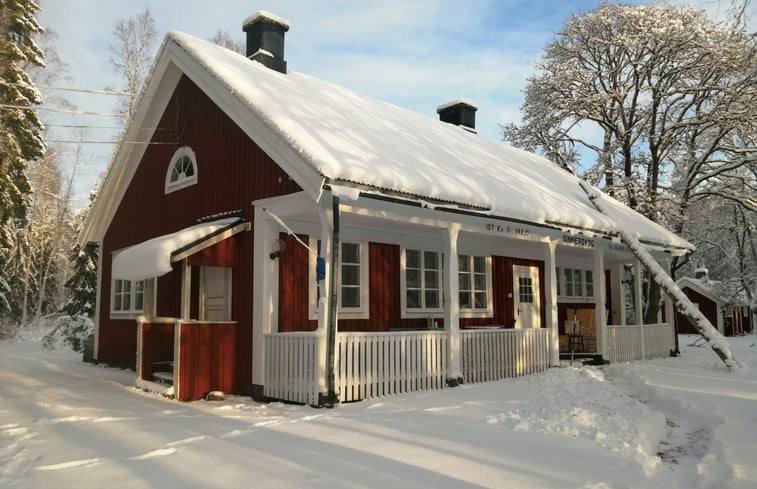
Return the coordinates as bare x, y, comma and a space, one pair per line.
575, 337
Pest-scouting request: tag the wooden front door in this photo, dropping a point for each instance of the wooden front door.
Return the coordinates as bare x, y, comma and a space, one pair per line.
215, 294
526, 297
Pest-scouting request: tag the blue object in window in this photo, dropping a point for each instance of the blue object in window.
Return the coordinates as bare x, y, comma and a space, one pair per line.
320, 269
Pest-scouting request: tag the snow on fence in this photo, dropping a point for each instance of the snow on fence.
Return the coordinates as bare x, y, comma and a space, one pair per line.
639, 342
504, 353
291, 367
373, 365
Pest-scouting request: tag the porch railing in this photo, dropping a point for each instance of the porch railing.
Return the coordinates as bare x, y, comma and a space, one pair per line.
504, 353
373, 365
291, 361
639, 342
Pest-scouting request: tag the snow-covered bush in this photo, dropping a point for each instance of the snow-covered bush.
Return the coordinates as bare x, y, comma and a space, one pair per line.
69, 333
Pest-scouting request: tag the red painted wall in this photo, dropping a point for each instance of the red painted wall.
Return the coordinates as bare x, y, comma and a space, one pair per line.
232, 172
707, 307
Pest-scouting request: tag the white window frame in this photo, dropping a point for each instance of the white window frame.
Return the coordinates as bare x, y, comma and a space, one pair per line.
562, 285
488, 309
136, 289
362, 312
185, 181
422, 311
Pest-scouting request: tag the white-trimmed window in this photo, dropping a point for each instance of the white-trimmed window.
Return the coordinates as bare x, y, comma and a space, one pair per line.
354, 299
475, 285
575, 283
128, 297
182, 171
422, 281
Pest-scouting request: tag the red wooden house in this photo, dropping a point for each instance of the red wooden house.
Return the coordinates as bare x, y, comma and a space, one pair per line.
730, 317
458, 258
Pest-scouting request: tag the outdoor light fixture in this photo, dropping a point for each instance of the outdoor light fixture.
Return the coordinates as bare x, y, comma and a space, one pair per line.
278, 248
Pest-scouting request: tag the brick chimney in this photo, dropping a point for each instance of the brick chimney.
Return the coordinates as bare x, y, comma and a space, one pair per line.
459, 112
265, 39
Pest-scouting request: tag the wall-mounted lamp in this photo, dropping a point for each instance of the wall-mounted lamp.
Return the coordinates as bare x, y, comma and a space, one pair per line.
277, 248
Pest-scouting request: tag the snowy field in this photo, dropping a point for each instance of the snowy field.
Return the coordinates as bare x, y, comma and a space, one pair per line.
672, 423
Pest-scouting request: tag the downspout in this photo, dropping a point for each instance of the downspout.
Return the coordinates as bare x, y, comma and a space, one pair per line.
331, 396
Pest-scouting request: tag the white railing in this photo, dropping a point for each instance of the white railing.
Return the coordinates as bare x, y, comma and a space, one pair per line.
639, 342
373, 365
291, 366
495, 354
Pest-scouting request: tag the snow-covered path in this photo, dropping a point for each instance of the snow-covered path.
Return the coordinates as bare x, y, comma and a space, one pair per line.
71, 425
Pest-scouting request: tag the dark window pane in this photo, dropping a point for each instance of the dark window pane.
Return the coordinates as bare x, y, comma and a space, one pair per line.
412, 259
480, 281
432, 279
432, 298
463, 263
350, 253
481, 301
350, 275
413, 299
350, 297
413, 279
431, 260
479, 264
465, 300
464, 281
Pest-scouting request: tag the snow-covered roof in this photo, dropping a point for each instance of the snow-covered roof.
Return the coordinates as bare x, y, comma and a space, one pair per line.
318, 131
153, 258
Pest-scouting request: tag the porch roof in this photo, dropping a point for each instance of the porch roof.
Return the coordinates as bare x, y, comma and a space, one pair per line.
153, 258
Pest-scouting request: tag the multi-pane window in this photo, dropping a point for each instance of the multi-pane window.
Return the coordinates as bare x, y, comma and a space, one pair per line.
473, 282
128, 296
350, 276
575, 282
353, 280
423, 280
525, 290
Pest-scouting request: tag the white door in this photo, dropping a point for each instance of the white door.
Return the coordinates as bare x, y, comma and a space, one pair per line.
526, 300
215, 294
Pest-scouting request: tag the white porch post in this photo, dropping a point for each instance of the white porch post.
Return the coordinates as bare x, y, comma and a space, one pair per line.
600, 295
149, 299
452, 306
550, 272
324, 311
186, 289
638, 307
265, 286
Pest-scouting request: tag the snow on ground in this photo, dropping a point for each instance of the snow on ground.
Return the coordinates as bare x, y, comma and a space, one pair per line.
670, 423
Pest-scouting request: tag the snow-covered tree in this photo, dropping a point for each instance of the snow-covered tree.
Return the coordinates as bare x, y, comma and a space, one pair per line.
81, 285
131, 54
20, 126
662, 96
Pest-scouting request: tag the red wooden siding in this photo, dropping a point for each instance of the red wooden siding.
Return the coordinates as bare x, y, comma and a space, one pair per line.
707, 306
384, 290
207, 359
157, 346
222, 254
232, 172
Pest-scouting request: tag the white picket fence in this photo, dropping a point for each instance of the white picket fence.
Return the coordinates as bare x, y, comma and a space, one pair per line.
291, 361
504, 353
639, 342
373, 365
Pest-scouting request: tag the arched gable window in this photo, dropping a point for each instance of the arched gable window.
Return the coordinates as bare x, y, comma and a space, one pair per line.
182, 172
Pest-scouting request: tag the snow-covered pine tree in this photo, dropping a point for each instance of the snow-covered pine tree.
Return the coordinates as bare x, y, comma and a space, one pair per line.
20, 126
81, 287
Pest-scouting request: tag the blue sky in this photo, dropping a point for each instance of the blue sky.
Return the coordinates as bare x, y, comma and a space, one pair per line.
415, 54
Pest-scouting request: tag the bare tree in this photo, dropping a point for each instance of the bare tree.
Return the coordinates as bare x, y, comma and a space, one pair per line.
224, 39
663, 97
131, 54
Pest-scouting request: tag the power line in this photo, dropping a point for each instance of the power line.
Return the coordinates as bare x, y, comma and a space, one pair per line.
109, 91
64, 111
102, 142
83, 126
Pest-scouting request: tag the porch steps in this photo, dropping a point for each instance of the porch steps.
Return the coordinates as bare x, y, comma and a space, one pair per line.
584, 358
164, 378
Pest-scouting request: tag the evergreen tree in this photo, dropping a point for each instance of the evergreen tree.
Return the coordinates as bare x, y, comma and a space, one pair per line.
81, 287
20, 126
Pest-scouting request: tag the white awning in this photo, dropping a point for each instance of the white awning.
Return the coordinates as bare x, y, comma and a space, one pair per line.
153, 258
